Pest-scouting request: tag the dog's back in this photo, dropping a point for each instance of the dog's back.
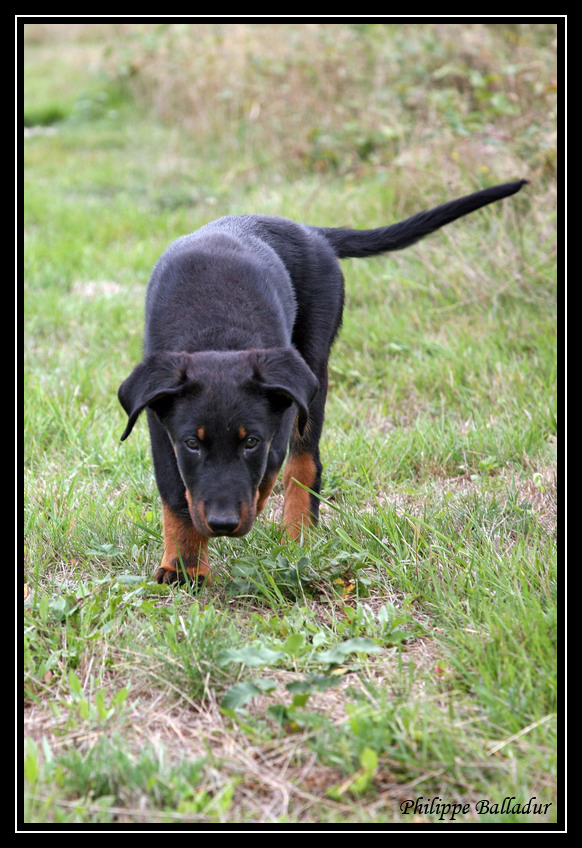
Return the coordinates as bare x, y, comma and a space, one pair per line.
221, 276
262, 277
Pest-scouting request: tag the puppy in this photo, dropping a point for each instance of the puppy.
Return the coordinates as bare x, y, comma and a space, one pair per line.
240, 319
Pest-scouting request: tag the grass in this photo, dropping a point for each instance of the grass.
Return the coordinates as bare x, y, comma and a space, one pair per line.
408, 648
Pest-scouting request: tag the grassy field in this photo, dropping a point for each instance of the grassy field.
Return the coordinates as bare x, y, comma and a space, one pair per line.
408, 649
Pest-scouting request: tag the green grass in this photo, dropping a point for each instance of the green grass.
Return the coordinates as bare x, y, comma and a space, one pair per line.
408, 648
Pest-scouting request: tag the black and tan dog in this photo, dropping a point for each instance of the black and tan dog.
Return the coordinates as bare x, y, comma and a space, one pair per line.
240, 319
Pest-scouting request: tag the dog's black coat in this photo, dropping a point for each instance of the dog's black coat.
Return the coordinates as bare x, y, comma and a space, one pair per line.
240, 319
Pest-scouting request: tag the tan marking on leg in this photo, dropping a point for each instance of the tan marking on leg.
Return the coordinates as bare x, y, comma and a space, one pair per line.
182, 545
296, 516
265, 489
248, 513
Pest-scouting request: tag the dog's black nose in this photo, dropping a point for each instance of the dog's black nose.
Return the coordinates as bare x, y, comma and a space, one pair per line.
222, 524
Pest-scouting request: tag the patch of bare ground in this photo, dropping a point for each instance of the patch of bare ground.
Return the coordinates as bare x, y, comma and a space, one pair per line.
538, 490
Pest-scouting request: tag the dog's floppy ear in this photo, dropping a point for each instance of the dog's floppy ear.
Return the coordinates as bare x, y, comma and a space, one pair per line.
160, 374
283, 373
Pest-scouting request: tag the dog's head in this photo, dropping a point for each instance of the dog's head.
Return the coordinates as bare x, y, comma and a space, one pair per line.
221, 410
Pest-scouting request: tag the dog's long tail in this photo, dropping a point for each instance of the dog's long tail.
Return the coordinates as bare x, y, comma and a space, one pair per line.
356, 243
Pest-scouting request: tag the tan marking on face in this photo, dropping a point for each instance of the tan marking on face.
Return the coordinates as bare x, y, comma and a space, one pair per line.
201, 433
296, 514
242, 432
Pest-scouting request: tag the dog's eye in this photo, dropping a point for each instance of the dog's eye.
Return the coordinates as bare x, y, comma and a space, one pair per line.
192, 444
251, 442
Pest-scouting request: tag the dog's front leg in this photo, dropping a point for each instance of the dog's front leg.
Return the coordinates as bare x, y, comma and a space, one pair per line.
185, 550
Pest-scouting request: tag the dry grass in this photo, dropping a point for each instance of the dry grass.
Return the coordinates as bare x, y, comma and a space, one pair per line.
275, 779
333, 97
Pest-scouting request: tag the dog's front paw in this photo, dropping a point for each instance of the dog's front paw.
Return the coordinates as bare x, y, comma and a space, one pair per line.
178, 573
165, 575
